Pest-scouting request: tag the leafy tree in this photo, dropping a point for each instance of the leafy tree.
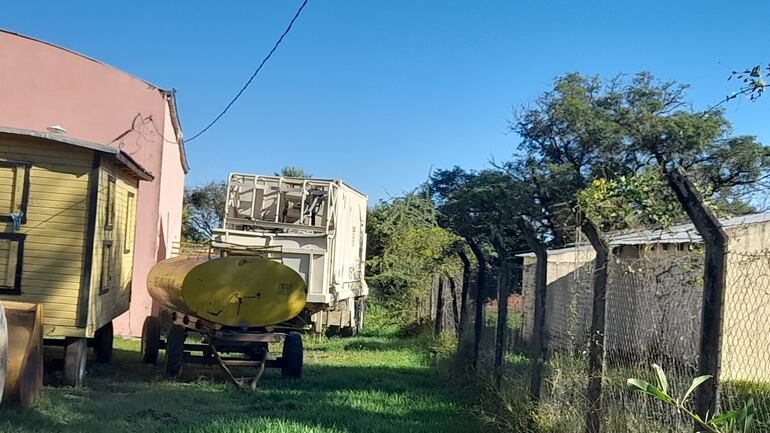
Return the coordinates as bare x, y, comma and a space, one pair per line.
587, 128
406, 249
204, 208
291, 171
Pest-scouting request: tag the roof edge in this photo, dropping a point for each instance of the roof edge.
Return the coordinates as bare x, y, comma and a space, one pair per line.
121, 156
99, 62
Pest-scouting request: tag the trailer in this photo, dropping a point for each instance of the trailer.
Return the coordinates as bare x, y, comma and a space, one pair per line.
67, 220
233, 302
315, 226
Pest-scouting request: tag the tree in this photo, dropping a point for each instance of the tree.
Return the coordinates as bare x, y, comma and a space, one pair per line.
406, 249
587, 128
204, 208
291, 171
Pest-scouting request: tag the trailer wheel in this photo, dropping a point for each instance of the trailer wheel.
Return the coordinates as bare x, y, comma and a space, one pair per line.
175, 350
103, 344
291, 365
332, 331
150, 340
75, 353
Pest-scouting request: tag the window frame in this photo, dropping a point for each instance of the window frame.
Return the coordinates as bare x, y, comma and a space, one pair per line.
19, 238
6, 217
109, 214
130, 229
107, 265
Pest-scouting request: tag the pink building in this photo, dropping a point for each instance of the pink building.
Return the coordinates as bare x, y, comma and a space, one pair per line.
44, 86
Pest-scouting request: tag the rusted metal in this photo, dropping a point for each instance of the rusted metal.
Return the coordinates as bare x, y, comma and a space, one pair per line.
24, 373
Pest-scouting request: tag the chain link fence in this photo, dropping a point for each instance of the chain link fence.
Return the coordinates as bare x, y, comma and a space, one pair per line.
652, 315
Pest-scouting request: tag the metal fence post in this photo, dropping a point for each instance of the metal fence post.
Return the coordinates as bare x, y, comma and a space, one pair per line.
596, 340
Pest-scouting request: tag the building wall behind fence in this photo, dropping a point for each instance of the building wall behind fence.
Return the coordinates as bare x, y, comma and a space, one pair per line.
746, 329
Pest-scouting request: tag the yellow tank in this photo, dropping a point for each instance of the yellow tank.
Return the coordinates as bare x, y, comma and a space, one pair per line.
233, 291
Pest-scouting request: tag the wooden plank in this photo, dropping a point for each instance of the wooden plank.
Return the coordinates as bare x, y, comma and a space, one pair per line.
50, 270
30, 285
53, 299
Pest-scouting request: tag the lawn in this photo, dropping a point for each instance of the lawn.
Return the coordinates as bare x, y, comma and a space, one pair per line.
370, 383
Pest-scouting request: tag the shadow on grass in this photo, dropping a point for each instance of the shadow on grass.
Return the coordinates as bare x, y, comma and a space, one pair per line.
129, 396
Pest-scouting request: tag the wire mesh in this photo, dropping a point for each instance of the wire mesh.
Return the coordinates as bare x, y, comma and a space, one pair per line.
653, 314
745, 355
563, 403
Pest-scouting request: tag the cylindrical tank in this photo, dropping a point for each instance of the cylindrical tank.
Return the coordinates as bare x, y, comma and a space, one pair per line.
232, 291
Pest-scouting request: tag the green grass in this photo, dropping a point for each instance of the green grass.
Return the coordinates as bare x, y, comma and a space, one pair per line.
370, 383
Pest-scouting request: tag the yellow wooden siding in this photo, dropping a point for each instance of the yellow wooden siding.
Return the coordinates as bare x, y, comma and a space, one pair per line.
108, 304
55, 227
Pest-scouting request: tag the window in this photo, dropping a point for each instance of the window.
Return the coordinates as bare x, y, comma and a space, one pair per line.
130, 225
14, 191
106, 277
11, 260
109, 211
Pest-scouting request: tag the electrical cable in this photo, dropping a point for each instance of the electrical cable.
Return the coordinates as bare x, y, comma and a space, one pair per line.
240, 92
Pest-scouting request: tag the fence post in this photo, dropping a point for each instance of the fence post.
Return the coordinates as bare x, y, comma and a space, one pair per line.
439, 325
596, 340
455, 306
714, 281
480, 292
502, 308
464, 291
541, 285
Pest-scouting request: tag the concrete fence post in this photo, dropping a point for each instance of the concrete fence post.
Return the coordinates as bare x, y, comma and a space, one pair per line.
596, 339
541, 284
714, 281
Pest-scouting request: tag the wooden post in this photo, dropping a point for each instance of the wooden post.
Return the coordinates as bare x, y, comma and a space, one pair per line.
541, 284
455, 306
480, 296
596, 339
439, 325
714, 282
464, 291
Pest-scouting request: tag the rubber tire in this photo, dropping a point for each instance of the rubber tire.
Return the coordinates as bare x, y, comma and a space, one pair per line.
292, 357
175, 350
150, 340
332, 331
103, 339
75, 353
348, 331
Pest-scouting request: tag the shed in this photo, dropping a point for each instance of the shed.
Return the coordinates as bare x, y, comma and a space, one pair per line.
68, 215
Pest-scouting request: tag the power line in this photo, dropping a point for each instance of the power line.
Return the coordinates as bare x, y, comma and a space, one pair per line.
240, 92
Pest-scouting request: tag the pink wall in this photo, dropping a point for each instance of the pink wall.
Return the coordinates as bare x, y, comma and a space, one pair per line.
43, 85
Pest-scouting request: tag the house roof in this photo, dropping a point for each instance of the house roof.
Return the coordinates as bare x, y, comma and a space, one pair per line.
122, 157
679, 234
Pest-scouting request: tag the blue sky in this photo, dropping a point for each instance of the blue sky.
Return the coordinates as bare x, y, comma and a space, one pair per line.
379, 92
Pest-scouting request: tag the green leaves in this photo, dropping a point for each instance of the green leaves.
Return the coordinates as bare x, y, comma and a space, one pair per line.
695, 383
739, 421
649, 389
662, 380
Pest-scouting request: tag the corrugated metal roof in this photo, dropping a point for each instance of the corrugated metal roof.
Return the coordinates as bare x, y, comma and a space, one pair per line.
679, 234
119, 155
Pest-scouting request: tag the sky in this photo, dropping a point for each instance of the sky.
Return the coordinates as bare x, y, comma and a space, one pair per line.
379, 93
